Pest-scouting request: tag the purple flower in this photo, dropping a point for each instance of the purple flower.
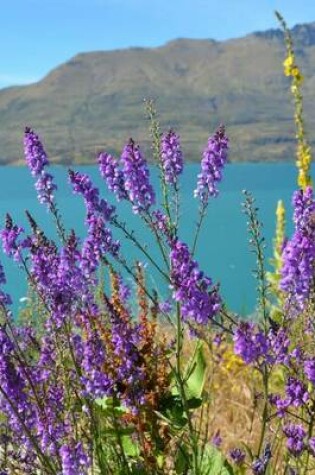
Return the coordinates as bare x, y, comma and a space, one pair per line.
200, 301
238, 456
82, 185
136, 176
45, 188
10, 235
309, 369
311, 445
279, 345
124, 290
213, 160
98, 243
161, 224
304, 207
74, 459
258, 467
35, 154
171, 156
296, 392
299, 252
165, 307
250, 342
281, 404
36, 159
5, 299
295, 438
217, 439
113, 175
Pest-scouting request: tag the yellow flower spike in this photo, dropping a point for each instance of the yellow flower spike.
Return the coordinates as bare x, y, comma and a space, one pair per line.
303, 150
280, 228
289, 61
276, 262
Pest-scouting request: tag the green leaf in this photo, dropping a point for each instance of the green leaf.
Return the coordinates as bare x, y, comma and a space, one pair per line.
194, 402
182, 460
130, 448
110, 407
160, 460
214, 463
172, 411
195, 373
248, 451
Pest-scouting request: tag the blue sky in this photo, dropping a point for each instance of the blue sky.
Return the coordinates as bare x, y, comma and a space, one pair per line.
38, 35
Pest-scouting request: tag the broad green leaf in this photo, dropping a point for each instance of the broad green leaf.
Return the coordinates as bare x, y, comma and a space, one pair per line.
131, 449
194, 402
214, 463
195, 374
173, 412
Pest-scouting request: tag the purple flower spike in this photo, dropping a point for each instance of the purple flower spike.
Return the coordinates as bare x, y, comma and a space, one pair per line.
296, 392
5, 299
171, 156
238, 456
35, 154
259, 465
45, 188
250, 342
74, 459
114, 177
82, 185
309, 369
98, 243
200, 300
10, 239
36, 159
136, 176
212, 163
295, 438
299, 252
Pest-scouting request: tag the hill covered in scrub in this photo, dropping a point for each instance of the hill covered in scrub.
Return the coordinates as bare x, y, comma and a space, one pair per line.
94, 101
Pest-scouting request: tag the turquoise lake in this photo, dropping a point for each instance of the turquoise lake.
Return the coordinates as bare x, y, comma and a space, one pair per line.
223, 250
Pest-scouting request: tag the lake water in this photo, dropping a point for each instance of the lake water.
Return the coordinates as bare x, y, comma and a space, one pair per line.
223, 245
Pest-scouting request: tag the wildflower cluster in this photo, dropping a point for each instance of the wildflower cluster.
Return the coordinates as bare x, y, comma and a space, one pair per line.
106, 380
93, 365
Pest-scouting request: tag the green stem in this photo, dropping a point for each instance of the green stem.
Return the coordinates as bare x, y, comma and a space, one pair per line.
265, 412
60, 228
150, 224
119, 440
310, 433
132, 238
202, 213
181, 385
156, 134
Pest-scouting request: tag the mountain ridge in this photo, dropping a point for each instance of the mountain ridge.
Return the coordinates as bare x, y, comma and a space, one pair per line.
94, 101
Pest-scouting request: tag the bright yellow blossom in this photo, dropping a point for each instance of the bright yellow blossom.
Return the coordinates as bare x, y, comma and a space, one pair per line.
303, 151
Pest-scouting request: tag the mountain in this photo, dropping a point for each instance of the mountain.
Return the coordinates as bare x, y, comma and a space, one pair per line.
95, 100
